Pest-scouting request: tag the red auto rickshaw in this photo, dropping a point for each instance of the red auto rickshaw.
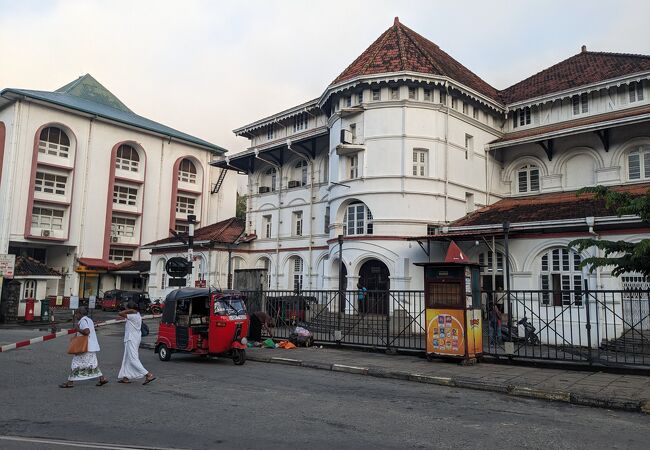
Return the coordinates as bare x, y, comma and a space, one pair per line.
205, 322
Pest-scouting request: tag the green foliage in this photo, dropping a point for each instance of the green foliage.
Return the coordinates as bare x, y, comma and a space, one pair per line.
240, 208
623, 256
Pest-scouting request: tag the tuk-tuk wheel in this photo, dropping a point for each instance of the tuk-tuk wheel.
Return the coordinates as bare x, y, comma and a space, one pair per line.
238, 356
163, 353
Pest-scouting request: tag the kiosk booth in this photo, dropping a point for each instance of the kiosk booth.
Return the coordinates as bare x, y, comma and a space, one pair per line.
453, 307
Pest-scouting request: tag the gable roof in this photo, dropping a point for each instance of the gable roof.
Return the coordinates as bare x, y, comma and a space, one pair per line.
30, 267
87, 95
546, 207
401, 49
225, 232
579, 70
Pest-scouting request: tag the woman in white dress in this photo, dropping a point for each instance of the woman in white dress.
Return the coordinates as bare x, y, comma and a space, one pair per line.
132, 368
84, 365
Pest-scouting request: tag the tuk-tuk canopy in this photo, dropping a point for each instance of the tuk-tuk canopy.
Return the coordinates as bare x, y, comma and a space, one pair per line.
185, 293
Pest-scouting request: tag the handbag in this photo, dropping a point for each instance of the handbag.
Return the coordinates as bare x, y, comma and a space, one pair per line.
78, 345
144, 330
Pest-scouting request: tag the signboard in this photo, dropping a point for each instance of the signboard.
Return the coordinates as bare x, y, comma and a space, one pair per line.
178, 267
445, 332
7, 264
92, 301
200, 283
59, 300
177, 282
74, 302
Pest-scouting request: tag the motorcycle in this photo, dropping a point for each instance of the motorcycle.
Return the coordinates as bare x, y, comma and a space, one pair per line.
530, 337
154, 307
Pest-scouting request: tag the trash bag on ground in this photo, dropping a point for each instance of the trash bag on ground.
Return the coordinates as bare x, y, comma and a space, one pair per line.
286, 345
301, 337
268, 343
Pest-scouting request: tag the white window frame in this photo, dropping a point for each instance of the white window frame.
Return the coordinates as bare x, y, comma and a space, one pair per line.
267, 225
187, 171
465, 108
642, 165
443, 98
353, 166
128, 162
359, 97
559, 267
29, 289
272, 174
357, 220
50, 183
300, 122
269, 132
580, 104
413, 93
427, 95
529, 172
182, 227
122, 226
635, 90
348, 101
303, 171
297, 223
185, 204
420, 164
376, 95
394, 93
54, 147
125, 195
47, 218
297, 269
118, 255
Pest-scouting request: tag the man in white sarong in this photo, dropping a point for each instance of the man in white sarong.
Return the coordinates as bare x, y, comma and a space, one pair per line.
132, 368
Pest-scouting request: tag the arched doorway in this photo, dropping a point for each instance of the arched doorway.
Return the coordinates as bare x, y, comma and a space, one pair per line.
374, 276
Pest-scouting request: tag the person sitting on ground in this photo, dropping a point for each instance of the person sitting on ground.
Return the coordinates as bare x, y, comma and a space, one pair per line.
132, 368
259, 320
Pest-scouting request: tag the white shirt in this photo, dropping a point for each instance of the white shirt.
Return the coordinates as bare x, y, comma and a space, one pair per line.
132, 327
87, 323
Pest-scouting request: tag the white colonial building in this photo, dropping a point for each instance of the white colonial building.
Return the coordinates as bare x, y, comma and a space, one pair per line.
85, 181
407, 141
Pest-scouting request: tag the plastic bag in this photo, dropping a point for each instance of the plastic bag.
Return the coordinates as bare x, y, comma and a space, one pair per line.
268, 343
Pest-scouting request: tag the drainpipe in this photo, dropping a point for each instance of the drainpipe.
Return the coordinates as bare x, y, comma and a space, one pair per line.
277, 236
447, 99
311, 209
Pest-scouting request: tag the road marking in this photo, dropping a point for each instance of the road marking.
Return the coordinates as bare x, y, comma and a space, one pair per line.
68, 443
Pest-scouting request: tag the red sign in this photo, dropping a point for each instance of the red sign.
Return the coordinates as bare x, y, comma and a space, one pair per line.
200, 284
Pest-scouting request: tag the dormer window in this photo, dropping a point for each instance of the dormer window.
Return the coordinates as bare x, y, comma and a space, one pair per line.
636, 92
187, 172
53, 141
528, 179
127, 158
638, 164
580, 104
300, 122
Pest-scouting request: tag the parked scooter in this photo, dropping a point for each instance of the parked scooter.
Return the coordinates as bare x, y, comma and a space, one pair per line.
530, 337
154, 307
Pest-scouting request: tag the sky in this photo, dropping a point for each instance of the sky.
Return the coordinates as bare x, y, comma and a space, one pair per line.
208, 67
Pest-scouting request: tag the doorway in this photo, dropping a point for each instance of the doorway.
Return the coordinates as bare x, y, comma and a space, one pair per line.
374, 276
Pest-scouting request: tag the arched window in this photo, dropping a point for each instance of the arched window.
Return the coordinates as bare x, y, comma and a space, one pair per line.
30, 289
296, 270
301, 167
638, 163
561, 277
528, 179
162, 273
127, 158
53, 141
187, 172
357, 220
265, 263
273, 174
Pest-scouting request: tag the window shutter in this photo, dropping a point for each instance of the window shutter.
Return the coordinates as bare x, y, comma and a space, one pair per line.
634, 166
646, 164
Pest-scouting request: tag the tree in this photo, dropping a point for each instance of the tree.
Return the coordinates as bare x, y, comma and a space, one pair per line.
623, 256
240, 208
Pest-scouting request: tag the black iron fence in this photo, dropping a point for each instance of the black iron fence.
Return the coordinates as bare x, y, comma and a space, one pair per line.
594, 327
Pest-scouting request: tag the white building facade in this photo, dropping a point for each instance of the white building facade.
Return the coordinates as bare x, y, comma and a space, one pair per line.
85, 182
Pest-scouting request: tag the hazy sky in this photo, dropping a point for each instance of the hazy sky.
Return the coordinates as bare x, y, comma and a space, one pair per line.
207, 67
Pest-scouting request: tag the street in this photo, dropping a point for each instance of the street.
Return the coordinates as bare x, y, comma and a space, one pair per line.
199, 403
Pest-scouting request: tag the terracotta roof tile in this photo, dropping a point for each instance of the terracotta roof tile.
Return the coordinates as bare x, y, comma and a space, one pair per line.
401, 49
553, 206
226, 232
133, 266
578, 70
26, 267
96, 263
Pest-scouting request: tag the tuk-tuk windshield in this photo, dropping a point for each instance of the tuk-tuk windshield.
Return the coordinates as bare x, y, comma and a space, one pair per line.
229, 306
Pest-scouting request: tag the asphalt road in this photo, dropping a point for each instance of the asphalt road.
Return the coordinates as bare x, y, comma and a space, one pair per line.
198, 403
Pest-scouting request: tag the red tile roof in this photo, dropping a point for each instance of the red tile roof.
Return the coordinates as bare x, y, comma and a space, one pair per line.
96, 263
132, 266
224, 232
553, 206
30, 267
578, 70
622, 114
401, 49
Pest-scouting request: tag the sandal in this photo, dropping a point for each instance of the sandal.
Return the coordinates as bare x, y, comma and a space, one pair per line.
66, 385
101, 383
124, 381
148, 380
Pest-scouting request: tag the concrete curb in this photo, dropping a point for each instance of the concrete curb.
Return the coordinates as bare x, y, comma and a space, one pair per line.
573, 398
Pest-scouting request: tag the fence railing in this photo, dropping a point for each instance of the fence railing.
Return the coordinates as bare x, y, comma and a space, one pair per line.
603, 327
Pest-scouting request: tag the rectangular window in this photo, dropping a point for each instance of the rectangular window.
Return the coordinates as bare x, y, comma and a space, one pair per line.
269, 132
636, 92
454, 103
634, 166
297, 223
47, 218
394, 93
266, 220
376, 95
465, 108
420, 162
469, 145
122, 226
327, 219
353, 132
431, 229
427, 95
124, 195
443, 98
185, 205
182, 228
50, 183
475, 113
300, 122
534, 180
469, 203
353, 165
118, 255
359, 98
515, 119
580, 103
348, 101
584, 101
413, 93
524, 116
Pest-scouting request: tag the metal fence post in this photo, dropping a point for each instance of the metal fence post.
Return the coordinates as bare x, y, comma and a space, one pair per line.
588, 326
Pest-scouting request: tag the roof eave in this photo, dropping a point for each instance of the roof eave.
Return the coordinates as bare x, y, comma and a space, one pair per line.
282, 115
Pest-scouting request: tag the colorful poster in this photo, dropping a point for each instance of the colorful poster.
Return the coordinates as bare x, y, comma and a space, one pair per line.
474, 332
445, 332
